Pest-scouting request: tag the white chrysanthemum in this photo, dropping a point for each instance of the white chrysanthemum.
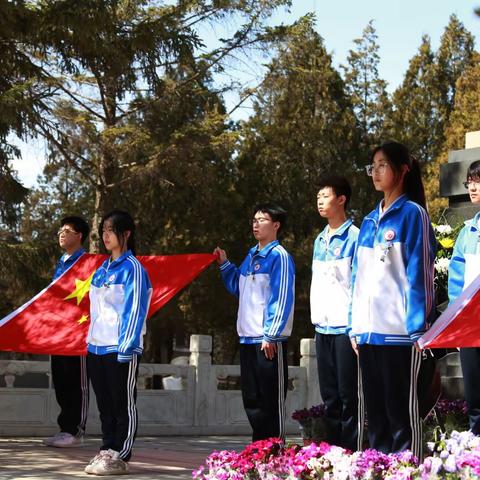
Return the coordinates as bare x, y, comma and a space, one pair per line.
441, 265
444, 229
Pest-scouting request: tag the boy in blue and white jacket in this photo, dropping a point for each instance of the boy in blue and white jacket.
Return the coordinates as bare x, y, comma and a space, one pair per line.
330, 297
265, 286
69, 373
464, 267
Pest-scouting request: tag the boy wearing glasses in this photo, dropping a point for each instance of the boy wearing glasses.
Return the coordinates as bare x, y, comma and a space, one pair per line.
330, 297
265, 286
69, 373
464, 267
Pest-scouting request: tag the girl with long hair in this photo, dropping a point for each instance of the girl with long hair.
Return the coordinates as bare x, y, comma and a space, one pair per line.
120, 295
393, 299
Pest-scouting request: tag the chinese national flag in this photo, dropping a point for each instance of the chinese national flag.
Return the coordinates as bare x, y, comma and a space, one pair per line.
56, 320
459, 324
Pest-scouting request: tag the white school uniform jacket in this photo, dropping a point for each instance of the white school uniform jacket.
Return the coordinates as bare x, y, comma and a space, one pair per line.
464, 265
330, 291
120, 295
265, 286
392, 276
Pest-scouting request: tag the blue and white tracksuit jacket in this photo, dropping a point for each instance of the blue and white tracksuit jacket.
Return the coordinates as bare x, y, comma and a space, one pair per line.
65, 262
330, 292
120, 295
392, 276
265, 286
464, 266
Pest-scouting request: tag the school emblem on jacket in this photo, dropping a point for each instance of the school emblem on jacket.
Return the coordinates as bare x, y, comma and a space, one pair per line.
257, 267
389, 235
336, 252
111, 278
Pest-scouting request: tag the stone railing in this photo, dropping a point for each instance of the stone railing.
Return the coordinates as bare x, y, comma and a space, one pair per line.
198, 398
194, 399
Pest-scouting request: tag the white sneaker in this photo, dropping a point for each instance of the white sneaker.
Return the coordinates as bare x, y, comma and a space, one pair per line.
63, 440
108, 464
99, 456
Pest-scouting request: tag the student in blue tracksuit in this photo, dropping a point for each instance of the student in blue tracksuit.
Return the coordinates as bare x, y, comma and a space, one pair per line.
330, 297
464, 267
69, 373
265, 286
393, 299
120, 295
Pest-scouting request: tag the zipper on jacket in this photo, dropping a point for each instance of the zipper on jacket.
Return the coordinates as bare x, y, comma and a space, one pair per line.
245, 283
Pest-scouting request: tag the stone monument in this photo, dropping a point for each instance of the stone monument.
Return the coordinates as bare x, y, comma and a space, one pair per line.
452, 176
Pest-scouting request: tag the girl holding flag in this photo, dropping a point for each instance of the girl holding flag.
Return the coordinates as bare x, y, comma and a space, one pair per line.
393, 299
119, 300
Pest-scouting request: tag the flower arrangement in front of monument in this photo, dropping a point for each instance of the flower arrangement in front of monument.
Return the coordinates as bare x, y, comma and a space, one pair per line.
445, 236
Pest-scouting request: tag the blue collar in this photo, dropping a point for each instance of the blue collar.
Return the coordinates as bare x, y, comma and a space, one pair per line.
473, 222
265, 250
339, 232
397, 204
118, 260
74, 256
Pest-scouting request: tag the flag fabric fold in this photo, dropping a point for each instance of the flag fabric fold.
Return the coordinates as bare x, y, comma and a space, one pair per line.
56, 320
459, 324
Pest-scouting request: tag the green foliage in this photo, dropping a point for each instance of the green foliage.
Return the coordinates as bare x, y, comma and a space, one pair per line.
126, 95
367, 90
303, 127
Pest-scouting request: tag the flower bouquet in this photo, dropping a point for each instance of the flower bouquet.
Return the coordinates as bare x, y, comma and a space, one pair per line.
446, 236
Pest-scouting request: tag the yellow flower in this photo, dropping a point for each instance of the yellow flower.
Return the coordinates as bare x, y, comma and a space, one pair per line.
447, 242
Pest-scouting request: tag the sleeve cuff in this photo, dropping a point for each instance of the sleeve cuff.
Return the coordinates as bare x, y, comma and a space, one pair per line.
269, 339
225, 265
415, 336
124, 357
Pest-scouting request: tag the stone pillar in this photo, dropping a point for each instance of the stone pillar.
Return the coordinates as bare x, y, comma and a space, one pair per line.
200, 357
308, 360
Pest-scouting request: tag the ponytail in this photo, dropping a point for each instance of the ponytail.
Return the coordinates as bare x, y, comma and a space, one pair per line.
413, 184
398, 155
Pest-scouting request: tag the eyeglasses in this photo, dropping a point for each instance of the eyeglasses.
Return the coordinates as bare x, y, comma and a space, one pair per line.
66, 230
260, 220
380, 169
472, 183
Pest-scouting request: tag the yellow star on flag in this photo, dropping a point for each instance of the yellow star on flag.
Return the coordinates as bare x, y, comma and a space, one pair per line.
83, 319
82, 287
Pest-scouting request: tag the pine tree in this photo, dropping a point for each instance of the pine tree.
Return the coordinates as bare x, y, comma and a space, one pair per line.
367, 90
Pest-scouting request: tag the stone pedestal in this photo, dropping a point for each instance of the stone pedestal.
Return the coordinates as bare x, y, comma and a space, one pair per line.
308, 360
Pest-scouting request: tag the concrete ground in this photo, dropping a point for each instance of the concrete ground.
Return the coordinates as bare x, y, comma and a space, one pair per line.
168, 458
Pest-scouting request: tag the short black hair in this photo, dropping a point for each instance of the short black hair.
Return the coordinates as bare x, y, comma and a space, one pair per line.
276, 212
473, 171
338, 184
79, 225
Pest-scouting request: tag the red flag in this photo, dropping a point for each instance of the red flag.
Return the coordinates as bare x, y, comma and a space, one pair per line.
56, 320
459, 324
